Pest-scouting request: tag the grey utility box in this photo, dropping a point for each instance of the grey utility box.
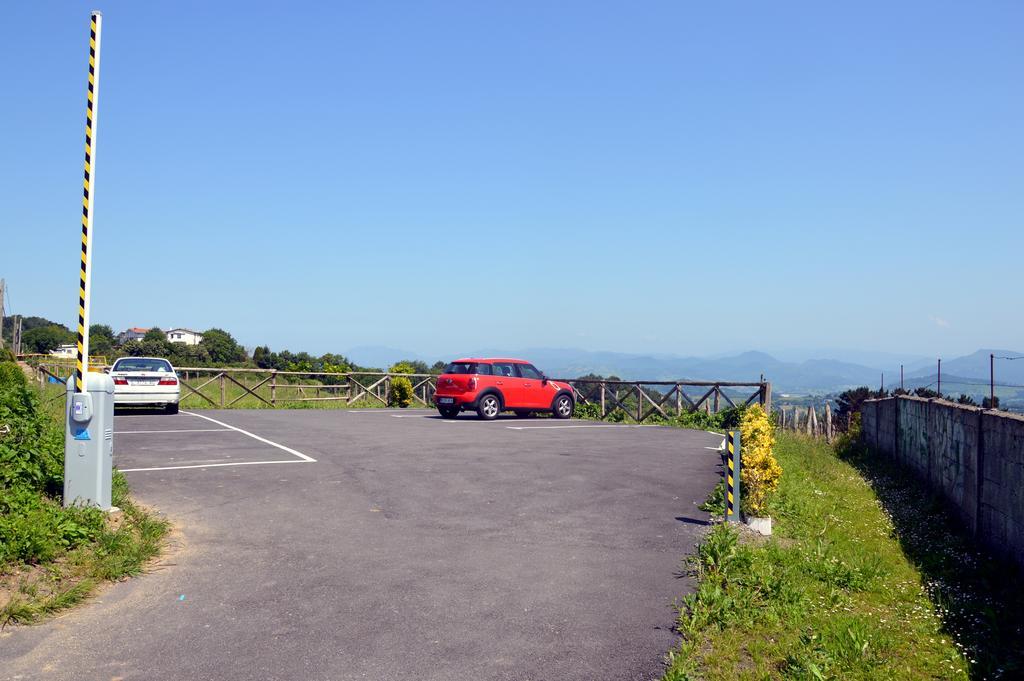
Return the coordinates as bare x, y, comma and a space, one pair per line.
89, 442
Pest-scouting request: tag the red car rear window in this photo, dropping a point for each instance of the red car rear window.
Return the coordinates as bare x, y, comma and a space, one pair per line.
468, 368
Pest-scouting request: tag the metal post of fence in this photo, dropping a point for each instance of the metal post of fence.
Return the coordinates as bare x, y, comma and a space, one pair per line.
732, 477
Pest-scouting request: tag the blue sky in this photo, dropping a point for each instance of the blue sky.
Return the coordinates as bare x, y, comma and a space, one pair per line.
688, 178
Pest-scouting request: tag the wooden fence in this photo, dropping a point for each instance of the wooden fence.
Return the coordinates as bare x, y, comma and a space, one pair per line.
642, 399
809, 421
223, 388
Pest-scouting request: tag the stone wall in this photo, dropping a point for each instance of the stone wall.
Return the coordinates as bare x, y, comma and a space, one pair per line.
971, 457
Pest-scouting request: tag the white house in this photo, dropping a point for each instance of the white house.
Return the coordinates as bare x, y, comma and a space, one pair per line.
186, 336
67, 350
134, 333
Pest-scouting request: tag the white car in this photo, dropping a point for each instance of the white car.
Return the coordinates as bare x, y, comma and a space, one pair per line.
145, 381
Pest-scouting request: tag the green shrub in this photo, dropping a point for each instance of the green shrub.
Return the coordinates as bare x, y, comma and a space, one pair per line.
401, 392
588, 411
33, 525
760, 470
698, 420
731, 418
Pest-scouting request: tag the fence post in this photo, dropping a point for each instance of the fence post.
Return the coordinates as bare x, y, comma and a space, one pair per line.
603, 414
273, 387
679, 400
717, 389
766, 397
732, 481
223, 394
828, 423
639, 403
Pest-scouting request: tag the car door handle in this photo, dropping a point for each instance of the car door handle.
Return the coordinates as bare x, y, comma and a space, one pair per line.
499, 383
527, 385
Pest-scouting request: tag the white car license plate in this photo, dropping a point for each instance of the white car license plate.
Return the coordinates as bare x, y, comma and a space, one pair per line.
143, 381
446, 400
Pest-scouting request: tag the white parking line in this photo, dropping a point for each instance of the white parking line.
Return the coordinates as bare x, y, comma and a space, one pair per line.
212, 465
181, 430
254, 437
609, 425
410, 416
302, 459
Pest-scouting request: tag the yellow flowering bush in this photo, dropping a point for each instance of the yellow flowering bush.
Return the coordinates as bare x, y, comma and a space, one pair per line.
760, 471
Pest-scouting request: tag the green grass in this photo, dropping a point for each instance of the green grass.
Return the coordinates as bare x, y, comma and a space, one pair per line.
120, 548
864, 578
50, 556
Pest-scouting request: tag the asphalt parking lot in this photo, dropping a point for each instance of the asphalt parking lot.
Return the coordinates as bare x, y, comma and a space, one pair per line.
379, 544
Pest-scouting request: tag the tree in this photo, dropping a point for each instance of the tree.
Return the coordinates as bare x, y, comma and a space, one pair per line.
27, 324
155, 334
410, 366
926, 393
850, 402
101, 339
43, 339
261, 357
222, 346
987, 403
966, 399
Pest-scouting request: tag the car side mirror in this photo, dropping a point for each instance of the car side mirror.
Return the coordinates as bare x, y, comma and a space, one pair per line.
543, 378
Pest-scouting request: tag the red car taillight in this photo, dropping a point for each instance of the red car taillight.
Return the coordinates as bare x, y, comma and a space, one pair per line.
168, 381
472, 383
120, 380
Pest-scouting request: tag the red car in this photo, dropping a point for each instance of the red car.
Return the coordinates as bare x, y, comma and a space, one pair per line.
491, 386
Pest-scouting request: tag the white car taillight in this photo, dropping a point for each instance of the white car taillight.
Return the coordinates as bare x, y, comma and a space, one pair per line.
120, 380
168, 381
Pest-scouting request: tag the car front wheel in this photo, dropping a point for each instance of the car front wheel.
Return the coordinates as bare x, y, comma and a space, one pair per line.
489, 407
563, 407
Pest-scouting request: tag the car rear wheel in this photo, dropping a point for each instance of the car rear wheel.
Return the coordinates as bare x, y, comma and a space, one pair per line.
489, 407
448, 412
171, 408
563, 407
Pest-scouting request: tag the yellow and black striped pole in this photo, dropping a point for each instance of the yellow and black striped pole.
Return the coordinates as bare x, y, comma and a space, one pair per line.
732, 477
88, 193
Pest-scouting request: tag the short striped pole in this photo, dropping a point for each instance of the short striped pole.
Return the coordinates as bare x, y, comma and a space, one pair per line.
85, 270
732, 477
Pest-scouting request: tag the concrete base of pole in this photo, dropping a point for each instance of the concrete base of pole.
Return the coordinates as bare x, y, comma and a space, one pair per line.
762, 526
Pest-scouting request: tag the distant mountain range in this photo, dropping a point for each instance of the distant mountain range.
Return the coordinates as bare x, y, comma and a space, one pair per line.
807, 376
